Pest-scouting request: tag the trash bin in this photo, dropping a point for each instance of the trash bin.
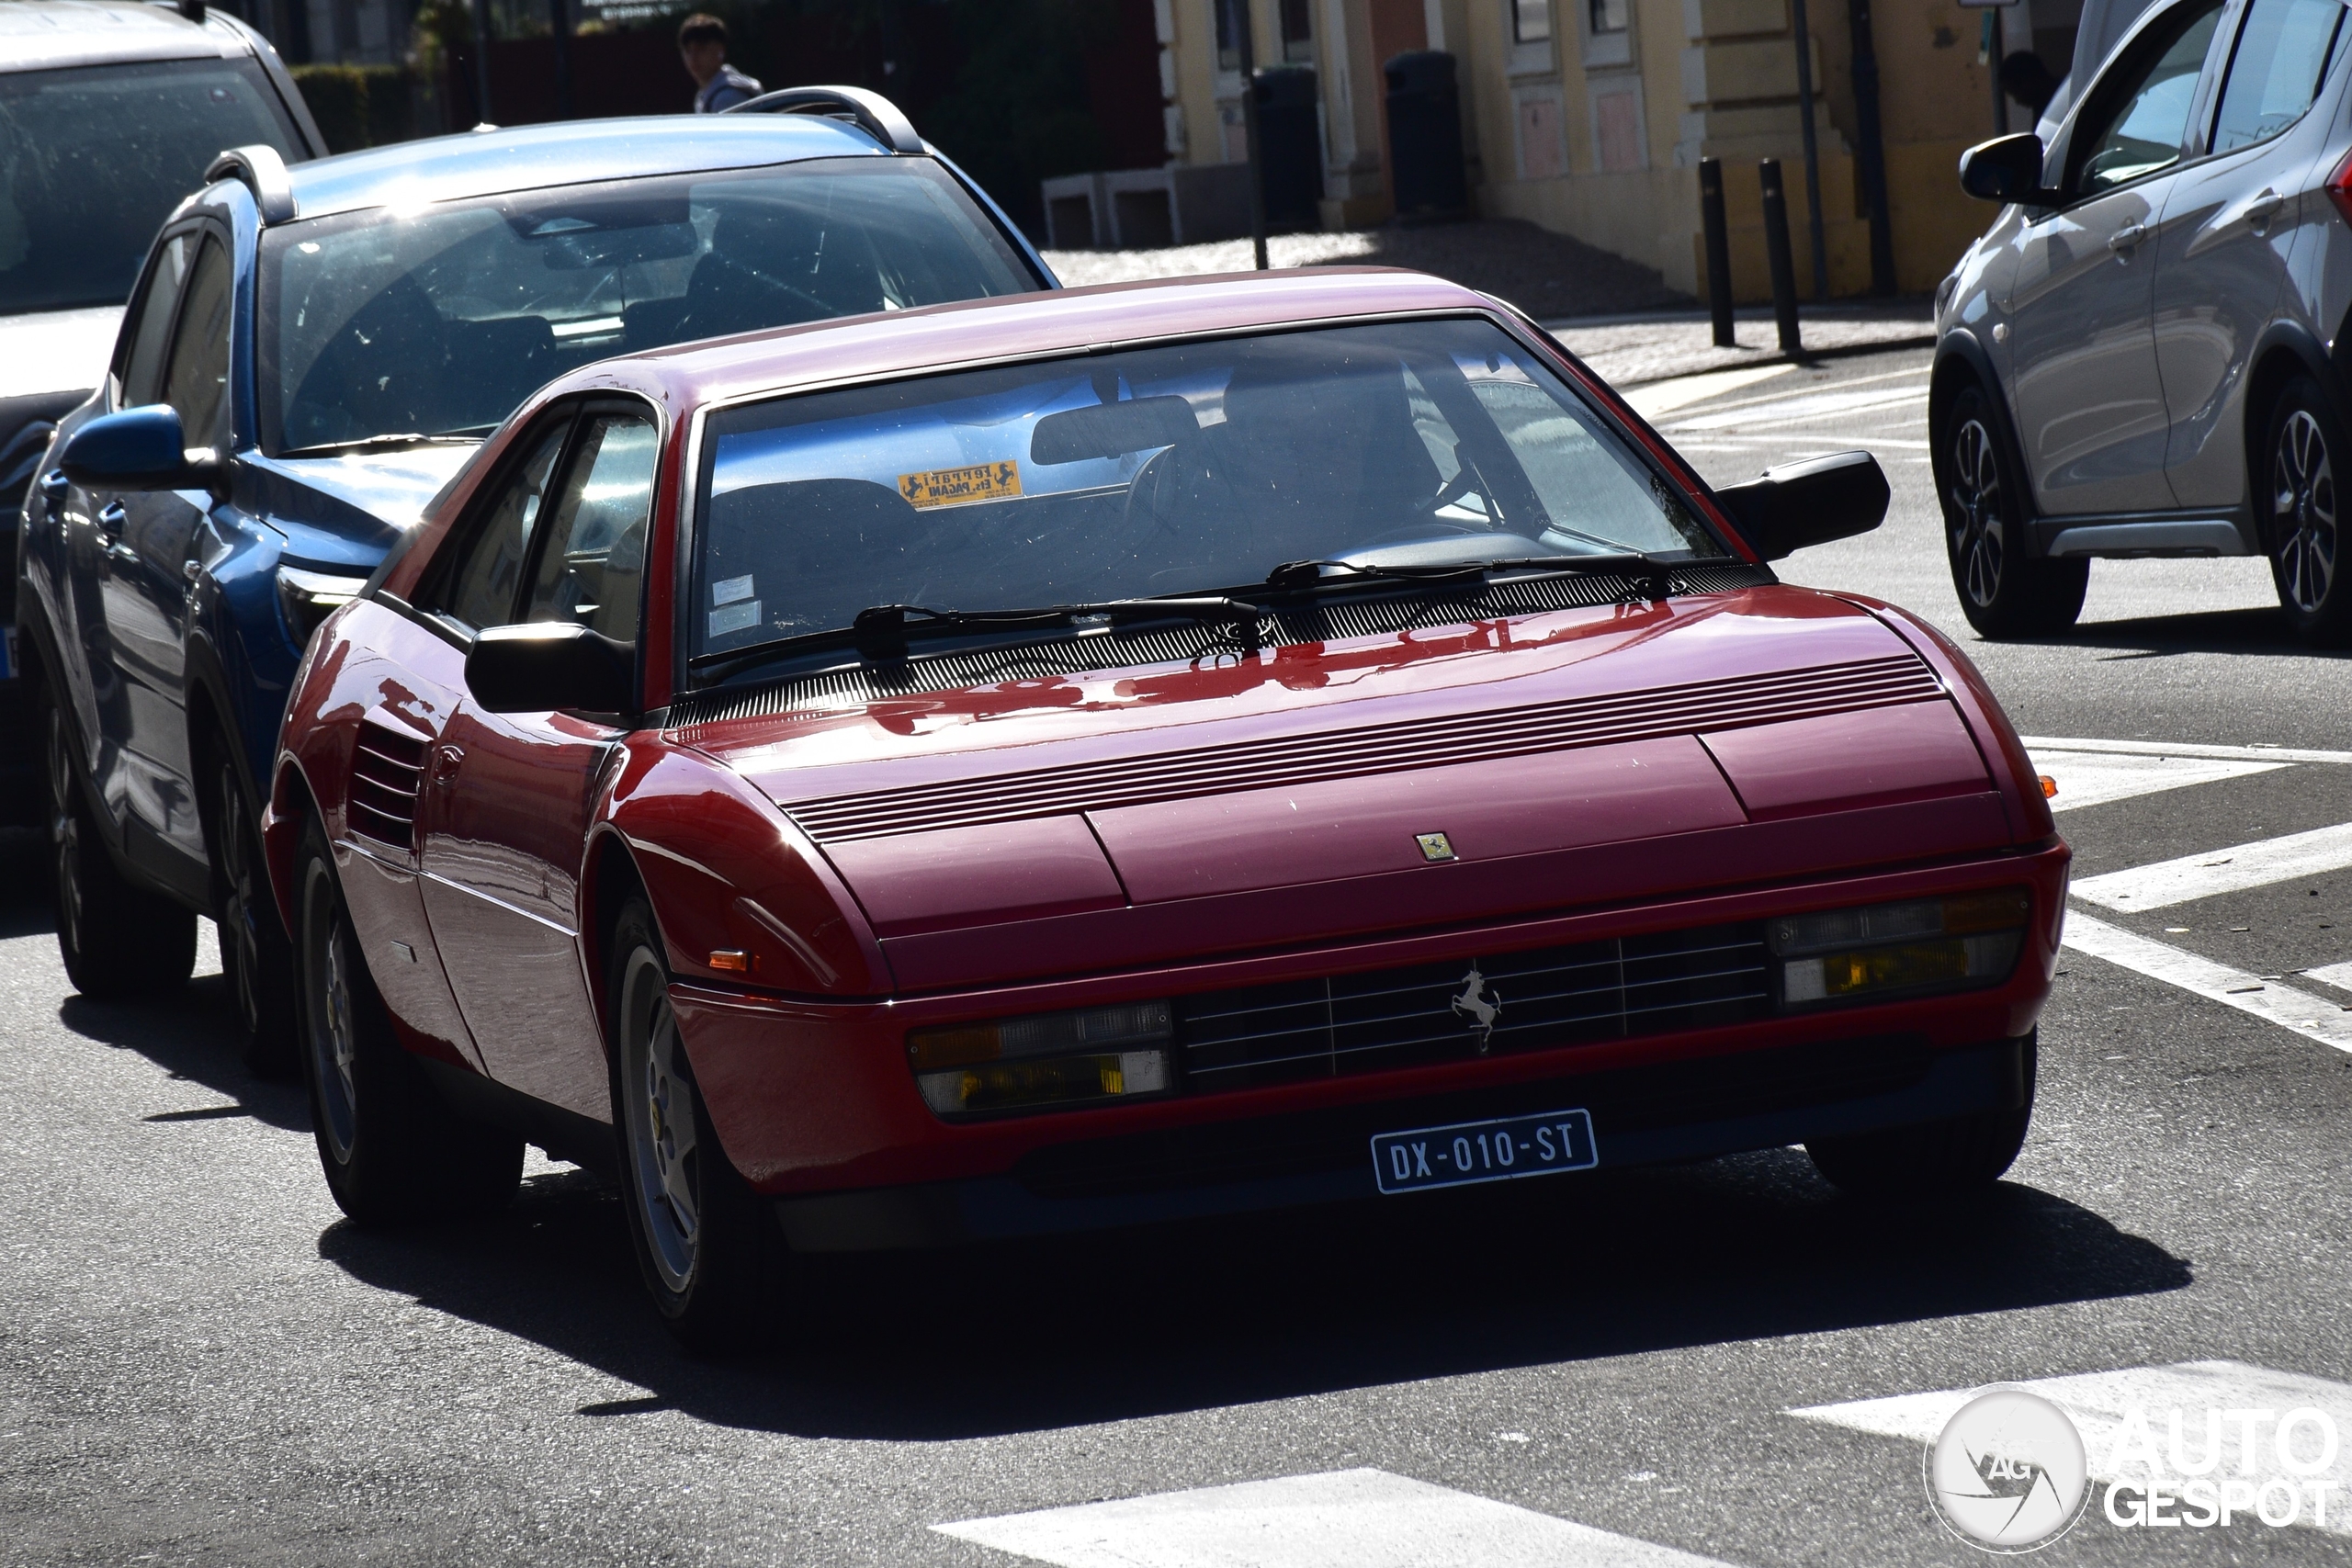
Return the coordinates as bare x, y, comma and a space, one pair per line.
1425, 136
1288, 146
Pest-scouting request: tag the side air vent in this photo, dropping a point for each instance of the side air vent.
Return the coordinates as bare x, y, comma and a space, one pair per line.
387, 769
1375, 749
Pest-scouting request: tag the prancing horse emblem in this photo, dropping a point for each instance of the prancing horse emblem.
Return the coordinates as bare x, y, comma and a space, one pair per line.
1480, 1006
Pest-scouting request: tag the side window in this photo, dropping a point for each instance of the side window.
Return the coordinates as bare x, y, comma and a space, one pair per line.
2139, 124
142, 366
481, 592
196, 382
2283, 52
592, 553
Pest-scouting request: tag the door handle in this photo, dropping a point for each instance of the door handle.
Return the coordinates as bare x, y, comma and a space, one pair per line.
55, 487
2262, 209
446, 761
2127, 237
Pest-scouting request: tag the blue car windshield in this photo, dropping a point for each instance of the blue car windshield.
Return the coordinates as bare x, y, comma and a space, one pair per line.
440, 320
1161, 470
94, 159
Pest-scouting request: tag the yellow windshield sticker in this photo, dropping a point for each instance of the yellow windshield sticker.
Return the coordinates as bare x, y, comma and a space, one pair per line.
953, 487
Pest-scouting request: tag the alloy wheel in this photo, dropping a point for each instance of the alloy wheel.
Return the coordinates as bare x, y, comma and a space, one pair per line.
1978, 534
2302, 506
65, 832
662, 1138
333, 1031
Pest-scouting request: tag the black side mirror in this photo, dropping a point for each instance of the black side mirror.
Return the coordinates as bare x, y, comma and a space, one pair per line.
2007, 168
141, 449
548, 665
1810, 502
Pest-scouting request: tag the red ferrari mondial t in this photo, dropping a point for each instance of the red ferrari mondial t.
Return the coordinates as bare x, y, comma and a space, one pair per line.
1146, 751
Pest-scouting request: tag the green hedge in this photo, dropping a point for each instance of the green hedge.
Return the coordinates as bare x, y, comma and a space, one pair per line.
360, 106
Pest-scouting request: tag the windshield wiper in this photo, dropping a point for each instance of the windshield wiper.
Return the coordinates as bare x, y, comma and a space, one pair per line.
881, 633
387, 443
1657, 575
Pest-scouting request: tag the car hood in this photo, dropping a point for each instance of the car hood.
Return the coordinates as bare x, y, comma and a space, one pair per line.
347, 511
1564, 759
56, 351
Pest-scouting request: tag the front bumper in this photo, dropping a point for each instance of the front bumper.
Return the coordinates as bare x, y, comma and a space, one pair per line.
1647, 1116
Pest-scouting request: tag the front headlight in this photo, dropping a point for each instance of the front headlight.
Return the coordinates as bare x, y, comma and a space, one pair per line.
1886, 950
1044, 1059
309, 597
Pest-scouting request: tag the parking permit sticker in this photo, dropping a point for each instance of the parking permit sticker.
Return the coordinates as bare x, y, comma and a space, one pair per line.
954, 487
735, 617
731, 590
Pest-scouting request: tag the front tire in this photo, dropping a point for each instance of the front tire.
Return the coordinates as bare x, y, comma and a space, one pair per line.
2295, 500
1942, 1159
391, 1148
2002, 592
119, 940
706, 1246
255, 951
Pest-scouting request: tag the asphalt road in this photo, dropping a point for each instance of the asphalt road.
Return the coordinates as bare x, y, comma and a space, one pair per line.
200, 1362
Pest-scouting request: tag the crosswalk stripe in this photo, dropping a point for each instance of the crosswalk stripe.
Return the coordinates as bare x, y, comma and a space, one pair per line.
1798, 410
2040, 743
2312, 1017
1348, 1518
2336, 974
2100, 1402
2095, 778
2233, 869
1664, 397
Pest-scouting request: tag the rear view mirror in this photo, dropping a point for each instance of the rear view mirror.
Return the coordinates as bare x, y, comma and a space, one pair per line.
1111, 430
1812, 503
550, 665
141, 449
2007, 168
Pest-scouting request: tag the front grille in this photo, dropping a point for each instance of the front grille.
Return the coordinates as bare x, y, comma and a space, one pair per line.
1510, 1002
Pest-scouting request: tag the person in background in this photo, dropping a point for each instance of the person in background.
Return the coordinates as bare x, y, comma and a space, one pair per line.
702, 44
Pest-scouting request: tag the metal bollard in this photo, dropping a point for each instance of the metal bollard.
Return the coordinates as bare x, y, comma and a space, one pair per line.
1711, 217
1776, 250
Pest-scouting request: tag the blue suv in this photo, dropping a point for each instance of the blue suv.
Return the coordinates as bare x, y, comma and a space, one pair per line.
311, 353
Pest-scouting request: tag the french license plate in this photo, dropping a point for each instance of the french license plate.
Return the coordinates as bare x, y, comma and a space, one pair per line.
1484, 1151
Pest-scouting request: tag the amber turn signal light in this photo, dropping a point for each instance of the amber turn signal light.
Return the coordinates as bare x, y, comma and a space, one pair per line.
734, 960
2049, 787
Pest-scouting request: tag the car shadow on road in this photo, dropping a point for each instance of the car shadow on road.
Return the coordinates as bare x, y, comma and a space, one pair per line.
192, 1034
2263, 631
989, 1340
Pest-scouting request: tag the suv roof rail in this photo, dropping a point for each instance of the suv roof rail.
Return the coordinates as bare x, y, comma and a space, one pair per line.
870, 112
264, 173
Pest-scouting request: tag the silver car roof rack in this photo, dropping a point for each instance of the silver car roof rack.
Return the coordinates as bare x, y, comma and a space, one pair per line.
264, 173
870, 112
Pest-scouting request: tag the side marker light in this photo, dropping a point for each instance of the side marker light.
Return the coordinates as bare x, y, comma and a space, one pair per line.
732, 959
2049, 787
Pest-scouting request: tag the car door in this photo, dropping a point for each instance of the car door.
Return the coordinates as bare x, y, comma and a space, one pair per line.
2229, 224
146, 538
2090, 408
508, 796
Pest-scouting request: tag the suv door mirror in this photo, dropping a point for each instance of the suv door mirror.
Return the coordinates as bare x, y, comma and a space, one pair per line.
545, 665
141, 449
1812, 503
2007, 168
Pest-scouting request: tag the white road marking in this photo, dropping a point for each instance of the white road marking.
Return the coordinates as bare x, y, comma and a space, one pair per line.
1664, 397
2233, 869
1783, 395
1348, 1518
2094, 778
2313, 1018
2100, 1403
2336, 974
2038, 743
1798, 410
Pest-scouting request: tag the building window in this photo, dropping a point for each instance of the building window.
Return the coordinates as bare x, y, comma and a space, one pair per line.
1298, 32
1608, 15
1530, 20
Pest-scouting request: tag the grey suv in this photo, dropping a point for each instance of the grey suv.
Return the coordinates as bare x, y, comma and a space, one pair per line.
2147, 353
109, 112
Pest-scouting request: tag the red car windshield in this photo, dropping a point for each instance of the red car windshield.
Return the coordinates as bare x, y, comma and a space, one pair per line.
1160, 472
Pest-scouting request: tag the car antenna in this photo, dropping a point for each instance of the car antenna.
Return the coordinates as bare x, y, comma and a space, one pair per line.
193, 10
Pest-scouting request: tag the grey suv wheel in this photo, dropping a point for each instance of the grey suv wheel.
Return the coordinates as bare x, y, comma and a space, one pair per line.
2002, 592
2295, 503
